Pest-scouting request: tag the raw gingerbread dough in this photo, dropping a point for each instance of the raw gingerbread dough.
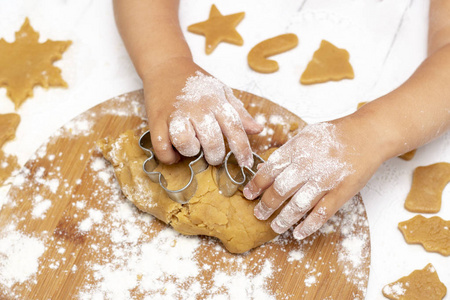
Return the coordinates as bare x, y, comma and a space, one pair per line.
219, 28
26, 63
8, 163
257, 57
408, 155
328, 63
432, 233
419, 285
428, 183
8, 126
208, 213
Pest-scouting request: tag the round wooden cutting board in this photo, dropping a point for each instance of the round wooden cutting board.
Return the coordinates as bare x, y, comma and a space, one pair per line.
91, 243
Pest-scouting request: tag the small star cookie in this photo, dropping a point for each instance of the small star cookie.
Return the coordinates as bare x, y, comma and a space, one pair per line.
420, 284
328, 63
219, 28
26, 63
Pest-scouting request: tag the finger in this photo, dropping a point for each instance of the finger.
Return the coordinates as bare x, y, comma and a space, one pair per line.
182, 135
232, 128
324, 210
284, 186
267, 173
299, 205
249, 124
211, 139
162, 147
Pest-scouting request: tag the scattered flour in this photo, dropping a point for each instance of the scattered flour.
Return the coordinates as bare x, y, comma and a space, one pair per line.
95, 217
395, 289
41, 208
19, 257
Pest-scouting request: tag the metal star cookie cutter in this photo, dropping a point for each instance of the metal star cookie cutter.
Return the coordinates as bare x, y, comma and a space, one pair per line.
228, 184
196, 166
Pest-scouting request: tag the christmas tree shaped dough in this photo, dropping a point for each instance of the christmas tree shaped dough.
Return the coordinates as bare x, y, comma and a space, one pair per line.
419, 285
328, 63
26, 63
230, 219
428, 183
219, 28
432, 233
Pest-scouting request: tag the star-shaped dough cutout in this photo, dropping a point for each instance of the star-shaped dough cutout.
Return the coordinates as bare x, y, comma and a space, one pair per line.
328, 63
219, 28
26, 63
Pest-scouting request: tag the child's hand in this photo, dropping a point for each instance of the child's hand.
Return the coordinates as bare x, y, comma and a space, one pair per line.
189, 109
322, 167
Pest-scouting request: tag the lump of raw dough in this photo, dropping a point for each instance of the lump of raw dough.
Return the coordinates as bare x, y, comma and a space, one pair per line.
8, 126
8, 163
428, 183
432, 233
421, 285
230, 219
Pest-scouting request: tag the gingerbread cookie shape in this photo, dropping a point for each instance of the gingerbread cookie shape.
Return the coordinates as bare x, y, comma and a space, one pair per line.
26, 63
219, 28
420, 284
8, 126
432, 233
428, 183
257, 57
328, 63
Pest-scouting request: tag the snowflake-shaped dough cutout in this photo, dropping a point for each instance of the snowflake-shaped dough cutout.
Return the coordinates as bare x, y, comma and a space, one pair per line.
26, 63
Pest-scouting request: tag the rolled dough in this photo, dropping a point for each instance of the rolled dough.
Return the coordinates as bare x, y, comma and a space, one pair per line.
421, 285
229, 219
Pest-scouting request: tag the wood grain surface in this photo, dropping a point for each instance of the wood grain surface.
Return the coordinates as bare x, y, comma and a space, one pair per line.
62, 171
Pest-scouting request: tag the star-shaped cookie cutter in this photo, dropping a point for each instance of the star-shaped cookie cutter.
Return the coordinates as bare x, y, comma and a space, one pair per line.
228, 184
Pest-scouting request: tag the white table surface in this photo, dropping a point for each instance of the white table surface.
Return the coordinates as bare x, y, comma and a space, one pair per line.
386, 41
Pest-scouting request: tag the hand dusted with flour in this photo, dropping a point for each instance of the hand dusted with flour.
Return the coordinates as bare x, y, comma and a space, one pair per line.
206, 109
312, 168
189, 109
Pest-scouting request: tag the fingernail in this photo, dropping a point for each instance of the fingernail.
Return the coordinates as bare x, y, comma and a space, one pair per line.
248, 191
248, 162
279, 225
259, 166
262, 211
300, 234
